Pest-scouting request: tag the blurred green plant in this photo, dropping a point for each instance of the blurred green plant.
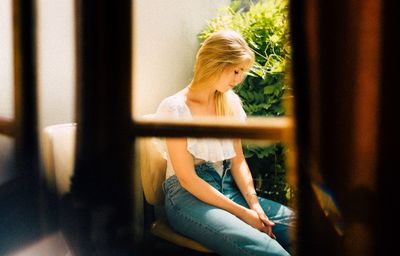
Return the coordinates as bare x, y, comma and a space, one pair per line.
265, 27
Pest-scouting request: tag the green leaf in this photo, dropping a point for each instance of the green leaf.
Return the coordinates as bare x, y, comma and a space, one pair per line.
269, 90
235, 5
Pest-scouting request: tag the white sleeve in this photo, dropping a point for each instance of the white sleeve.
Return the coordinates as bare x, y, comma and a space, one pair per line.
241, 113
236, 105
167, 110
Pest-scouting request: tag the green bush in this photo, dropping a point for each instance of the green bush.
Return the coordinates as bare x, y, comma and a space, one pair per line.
265, 27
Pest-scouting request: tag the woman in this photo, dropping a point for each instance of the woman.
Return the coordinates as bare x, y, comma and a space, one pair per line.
209, 190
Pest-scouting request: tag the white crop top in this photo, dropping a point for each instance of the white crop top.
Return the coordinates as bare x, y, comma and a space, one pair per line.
203, 149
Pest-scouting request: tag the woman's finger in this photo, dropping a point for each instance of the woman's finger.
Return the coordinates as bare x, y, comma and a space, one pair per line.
265, 220
268, 230
269, 233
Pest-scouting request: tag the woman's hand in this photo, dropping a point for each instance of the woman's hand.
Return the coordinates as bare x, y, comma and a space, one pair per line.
255, 206
262, 223
263, 217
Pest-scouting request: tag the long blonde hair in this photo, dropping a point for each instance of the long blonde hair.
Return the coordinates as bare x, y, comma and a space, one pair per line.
221, 50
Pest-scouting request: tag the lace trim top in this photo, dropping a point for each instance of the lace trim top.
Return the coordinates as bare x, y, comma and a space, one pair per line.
203, 149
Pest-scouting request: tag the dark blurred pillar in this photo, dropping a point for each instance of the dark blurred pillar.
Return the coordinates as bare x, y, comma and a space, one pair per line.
25, 86
101, 197
338, 71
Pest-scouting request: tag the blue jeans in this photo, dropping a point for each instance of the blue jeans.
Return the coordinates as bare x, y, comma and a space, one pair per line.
219, 230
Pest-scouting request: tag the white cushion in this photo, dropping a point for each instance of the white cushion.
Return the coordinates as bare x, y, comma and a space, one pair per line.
59, 156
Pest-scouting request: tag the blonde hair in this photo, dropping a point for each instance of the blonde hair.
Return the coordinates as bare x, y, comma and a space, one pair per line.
221, 50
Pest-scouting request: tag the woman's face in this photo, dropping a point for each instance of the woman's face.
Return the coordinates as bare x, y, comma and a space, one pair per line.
230, 77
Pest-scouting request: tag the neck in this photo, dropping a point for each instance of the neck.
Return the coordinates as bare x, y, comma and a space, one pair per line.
202, 96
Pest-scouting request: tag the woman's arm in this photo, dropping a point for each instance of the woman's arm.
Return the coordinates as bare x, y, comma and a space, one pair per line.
183, 164
244, 180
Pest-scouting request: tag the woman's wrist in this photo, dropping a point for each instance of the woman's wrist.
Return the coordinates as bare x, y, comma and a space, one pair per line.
252, 199
251, 193
250, 196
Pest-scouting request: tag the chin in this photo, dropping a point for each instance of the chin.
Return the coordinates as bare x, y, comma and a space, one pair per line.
228, 88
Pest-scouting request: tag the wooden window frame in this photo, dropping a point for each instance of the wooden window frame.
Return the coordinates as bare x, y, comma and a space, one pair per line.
23, 125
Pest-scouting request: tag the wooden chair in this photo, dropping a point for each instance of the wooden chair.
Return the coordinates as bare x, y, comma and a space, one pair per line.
59, 157
152, 170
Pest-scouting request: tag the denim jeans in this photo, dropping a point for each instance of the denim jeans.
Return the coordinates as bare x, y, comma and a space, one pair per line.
219, 230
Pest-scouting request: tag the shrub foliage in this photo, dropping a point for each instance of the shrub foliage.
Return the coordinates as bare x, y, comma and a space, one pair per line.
265, 27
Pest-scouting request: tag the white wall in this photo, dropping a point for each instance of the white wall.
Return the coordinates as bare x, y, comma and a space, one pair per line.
56, 62
165, 44
6, 65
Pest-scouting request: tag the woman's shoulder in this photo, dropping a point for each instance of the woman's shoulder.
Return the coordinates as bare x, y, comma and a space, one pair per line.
172, 106
173, 101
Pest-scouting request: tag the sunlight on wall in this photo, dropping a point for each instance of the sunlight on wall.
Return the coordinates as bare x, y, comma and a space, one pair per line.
6, 65
165, 43
56, 61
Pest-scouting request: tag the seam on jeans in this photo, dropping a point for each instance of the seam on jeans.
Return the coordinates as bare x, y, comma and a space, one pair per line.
227, 170
210, 229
